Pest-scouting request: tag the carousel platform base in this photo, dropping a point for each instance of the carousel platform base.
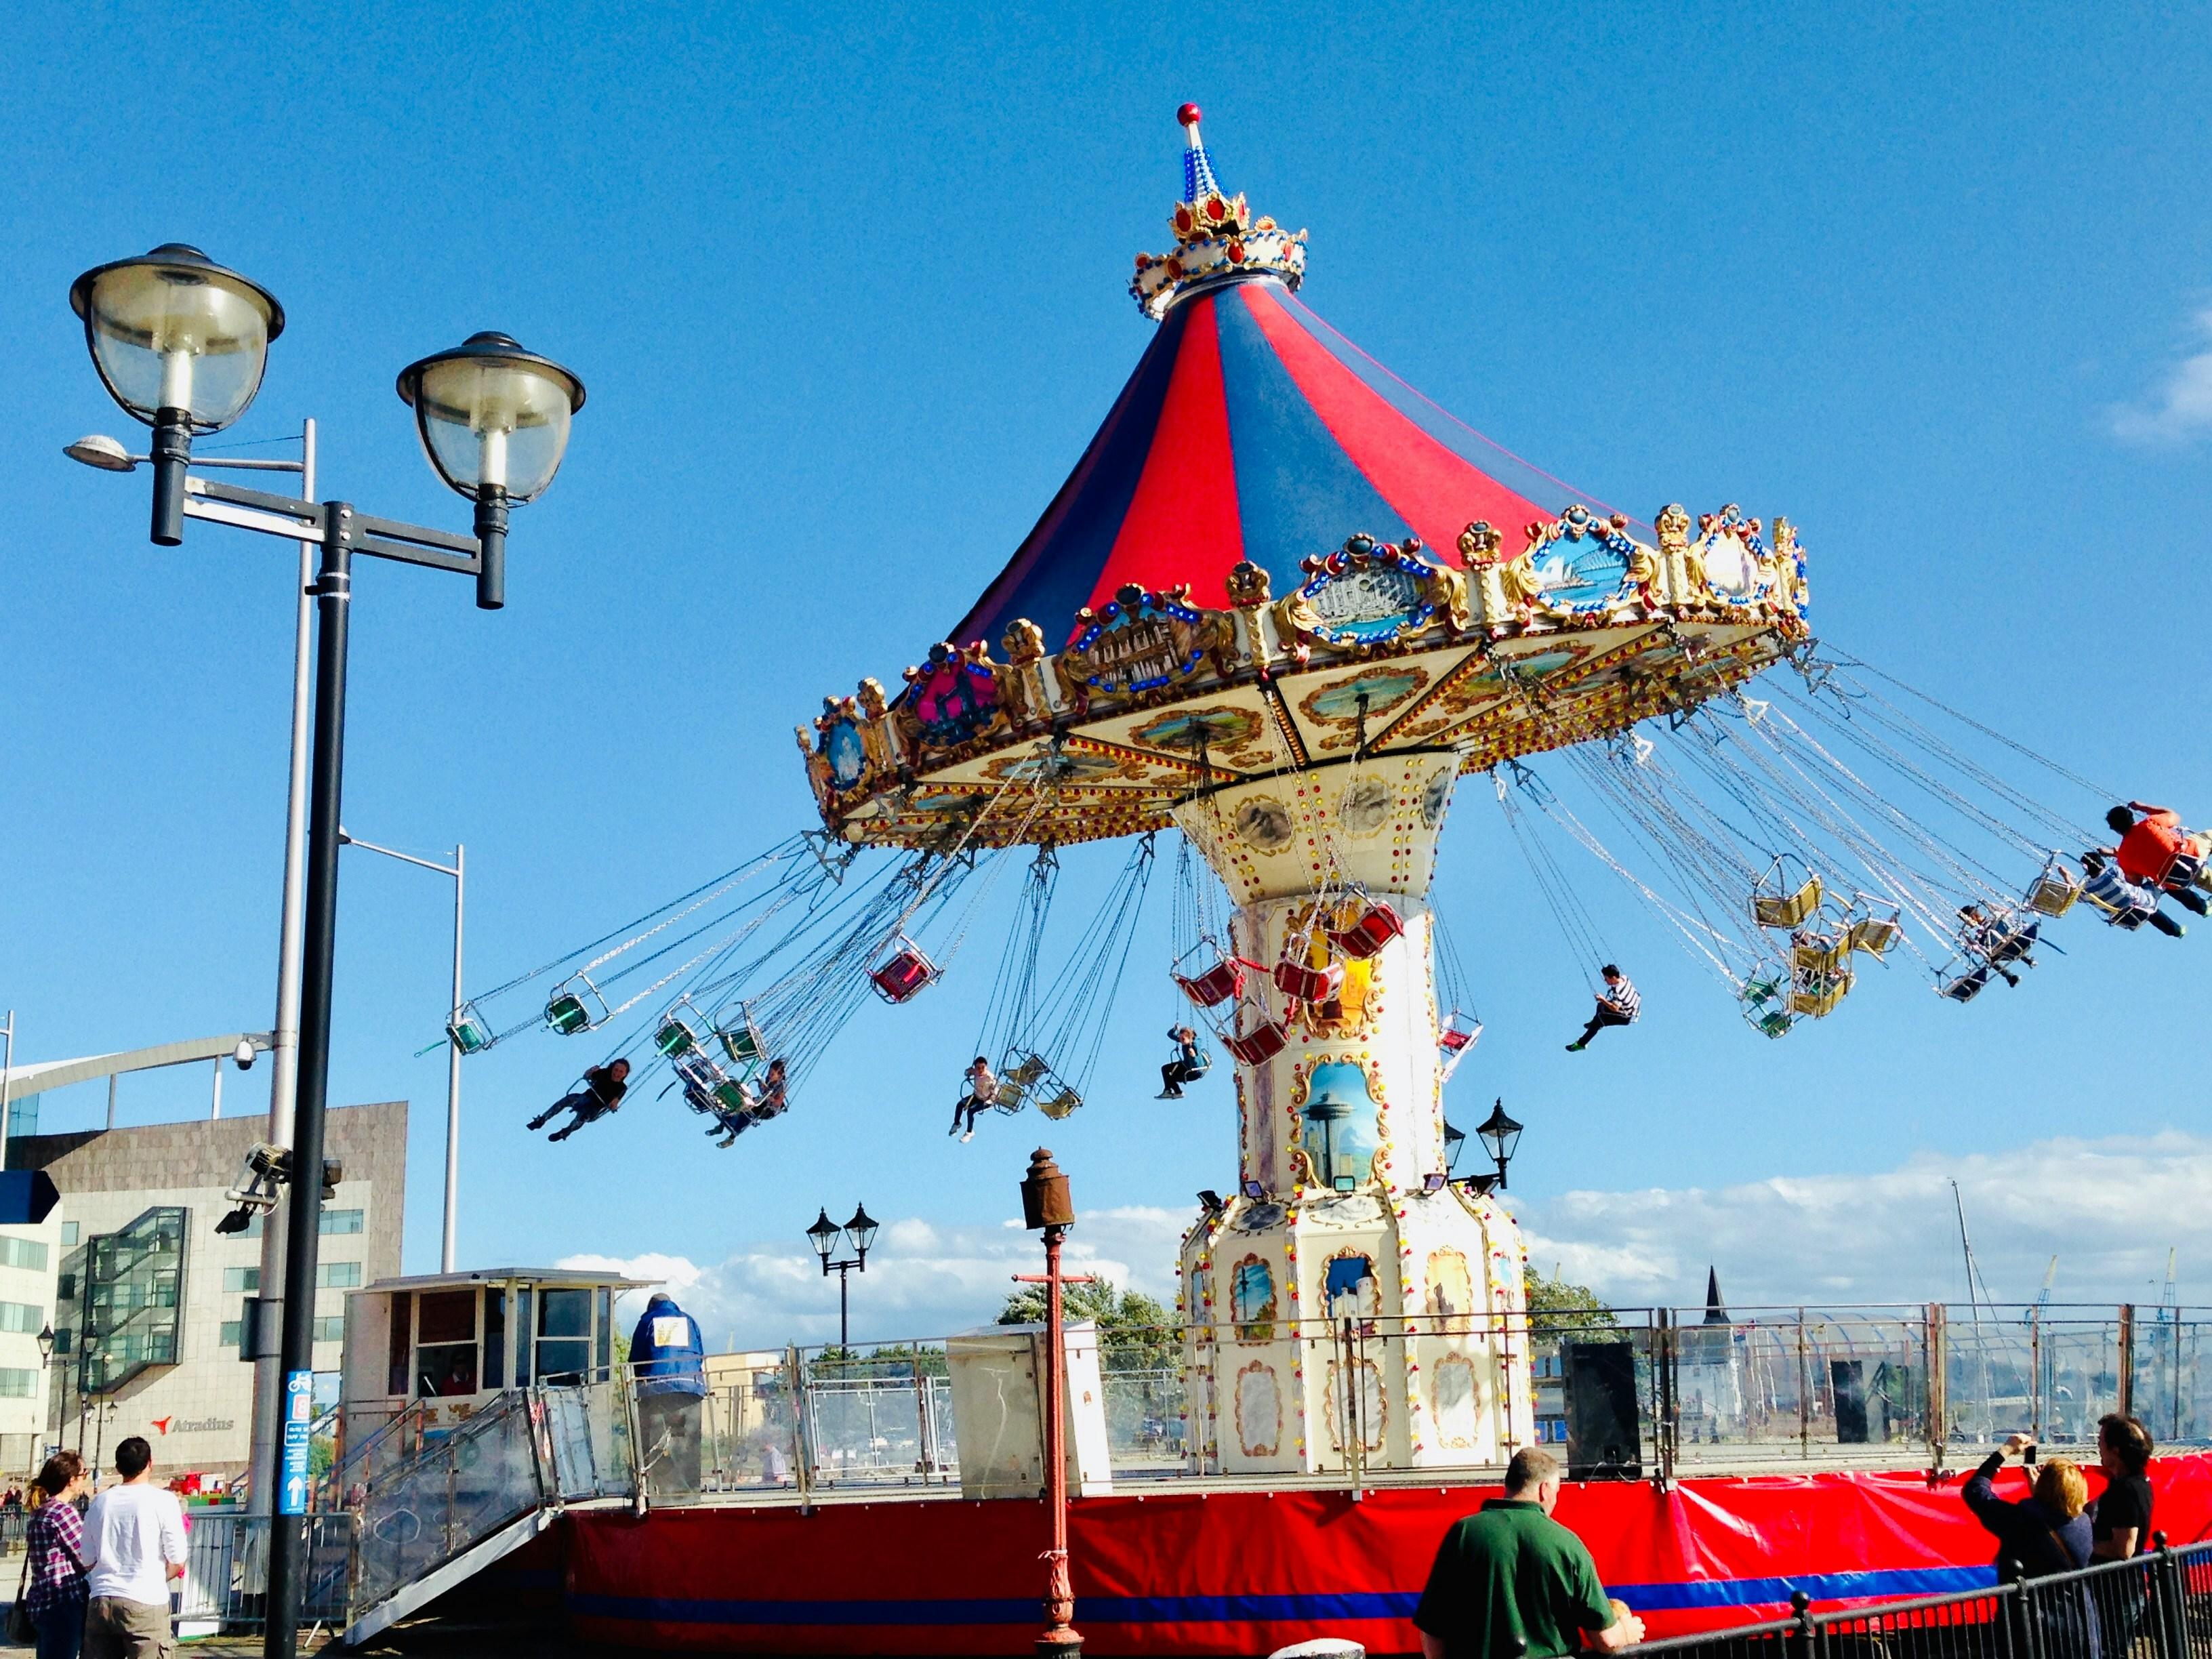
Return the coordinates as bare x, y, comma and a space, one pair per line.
1189, 1568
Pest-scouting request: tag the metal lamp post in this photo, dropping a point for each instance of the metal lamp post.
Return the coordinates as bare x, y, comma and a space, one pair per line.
457, 870
823, 1236
180, 343
1501, 1134
1047, 1206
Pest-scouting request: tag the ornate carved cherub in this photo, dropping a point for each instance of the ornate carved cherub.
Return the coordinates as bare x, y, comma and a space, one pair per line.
1017, 689
1790, 562
1673, 524
880, 736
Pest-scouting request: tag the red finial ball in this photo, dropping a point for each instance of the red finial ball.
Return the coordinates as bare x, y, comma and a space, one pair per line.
1187, 115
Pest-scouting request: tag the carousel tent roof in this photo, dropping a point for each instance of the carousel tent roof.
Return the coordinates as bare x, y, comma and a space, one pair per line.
1242, 435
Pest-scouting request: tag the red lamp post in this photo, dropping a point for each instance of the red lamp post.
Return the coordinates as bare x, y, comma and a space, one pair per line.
1047, 1207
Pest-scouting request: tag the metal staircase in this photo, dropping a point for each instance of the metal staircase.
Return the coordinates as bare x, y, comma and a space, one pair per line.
431, 1508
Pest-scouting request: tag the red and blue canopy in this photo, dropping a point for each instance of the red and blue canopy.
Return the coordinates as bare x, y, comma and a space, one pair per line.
1241, 435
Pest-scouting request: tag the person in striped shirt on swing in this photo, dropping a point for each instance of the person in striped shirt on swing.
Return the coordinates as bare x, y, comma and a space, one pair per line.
1617, 1005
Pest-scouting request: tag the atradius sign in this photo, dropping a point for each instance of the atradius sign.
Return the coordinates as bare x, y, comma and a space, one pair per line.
204, 1425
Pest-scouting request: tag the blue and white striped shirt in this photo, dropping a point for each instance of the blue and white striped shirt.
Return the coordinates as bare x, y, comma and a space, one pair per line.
1622, 995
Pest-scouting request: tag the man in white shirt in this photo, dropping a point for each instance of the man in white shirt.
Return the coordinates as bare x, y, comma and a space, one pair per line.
134, 1538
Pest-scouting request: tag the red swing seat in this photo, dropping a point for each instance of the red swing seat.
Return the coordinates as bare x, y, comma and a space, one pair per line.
1262, 1043
1374, 927
904, 973
1217, 984
1303, 984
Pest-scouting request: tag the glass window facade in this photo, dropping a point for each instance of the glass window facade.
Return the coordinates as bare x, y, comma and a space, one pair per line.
342, 1221
20, 1317
330, 1327
23, 1253
133, 1288
237, 1281
70, 1233
338, 1275
17, 1384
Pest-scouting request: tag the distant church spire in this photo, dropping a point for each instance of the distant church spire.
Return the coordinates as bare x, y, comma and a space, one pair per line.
1715, 1314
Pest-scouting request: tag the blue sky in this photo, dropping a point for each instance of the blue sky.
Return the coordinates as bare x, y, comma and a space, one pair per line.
847, 287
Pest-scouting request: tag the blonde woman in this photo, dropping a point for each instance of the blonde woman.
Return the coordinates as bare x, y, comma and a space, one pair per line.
2044, 1532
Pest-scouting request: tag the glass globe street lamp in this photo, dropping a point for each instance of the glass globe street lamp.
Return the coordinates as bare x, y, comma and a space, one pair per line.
180, 343
494, 422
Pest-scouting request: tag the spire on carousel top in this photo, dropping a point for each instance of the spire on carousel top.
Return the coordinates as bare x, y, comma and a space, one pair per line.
1217, 240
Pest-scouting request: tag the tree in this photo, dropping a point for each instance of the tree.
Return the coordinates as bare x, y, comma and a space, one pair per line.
1557, 1306
1135, 1331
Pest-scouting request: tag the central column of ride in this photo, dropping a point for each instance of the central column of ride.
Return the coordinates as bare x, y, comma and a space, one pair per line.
1347, 1302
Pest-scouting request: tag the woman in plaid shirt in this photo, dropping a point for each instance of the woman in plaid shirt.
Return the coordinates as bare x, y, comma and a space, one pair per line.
56, 1595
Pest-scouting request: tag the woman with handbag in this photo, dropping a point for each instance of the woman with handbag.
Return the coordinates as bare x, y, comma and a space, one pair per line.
52, 1591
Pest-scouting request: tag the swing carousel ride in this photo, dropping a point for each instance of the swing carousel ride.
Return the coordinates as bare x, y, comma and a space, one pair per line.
1278, 614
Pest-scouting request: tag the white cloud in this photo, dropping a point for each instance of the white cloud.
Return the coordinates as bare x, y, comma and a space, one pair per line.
2180, 408
2108, 1209
923, 1279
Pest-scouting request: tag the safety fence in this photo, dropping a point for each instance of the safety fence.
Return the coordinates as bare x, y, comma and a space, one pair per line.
1630, 1392
2157, 1606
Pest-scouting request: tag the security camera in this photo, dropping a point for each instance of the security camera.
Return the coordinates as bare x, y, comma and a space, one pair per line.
242, 1055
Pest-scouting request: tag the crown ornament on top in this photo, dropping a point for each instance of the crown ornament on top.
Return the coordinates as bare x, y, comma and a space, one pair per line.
1216, 238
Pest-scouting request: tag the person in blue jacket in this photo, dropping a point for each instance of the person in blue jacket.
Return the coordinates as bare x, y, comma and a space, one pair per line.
668, 1368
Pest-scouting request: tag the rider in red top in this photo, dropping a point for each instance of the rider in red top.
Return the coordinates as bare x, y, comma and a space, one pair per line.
2148, 848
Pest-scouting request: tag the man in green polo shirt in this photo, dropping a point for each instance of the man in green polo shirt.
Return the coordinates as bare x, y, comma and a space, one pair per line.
1511, 1574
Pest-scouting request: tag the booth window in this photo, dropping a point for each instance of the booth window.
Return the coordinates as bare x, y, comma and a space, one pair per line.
564, 1335
606, 1353
446, 1344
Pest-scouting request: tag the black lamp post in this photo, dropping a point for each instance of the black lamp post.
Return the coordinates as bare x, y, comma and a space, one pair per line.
1049, 1206
45, 1347
1501, 1134
180, 343
823, 1236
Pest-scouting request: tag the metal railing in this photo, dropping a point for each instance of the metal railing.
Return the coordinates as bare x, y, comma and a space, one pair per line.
1843, 1386
2157, 1606
225, 1586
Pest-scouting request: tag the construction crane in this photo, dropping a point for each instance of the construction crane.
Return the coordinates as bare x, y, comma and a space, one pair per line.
2042, 1297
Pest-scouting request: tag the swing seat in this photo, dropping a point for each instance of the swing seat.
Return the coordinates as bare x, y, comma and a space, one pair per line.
469, 1031
1010, 1099
1376, 925
2184, 869
2012, 945
1964, 987
1760, 992
1817, 954
1787, 910
1455, 1039
904, 973
2052, 893
566, 1014
1816, 998
1026, 1073
675, 1036
1774, 1022
742, 1044
1217, 984
1061, 1103
1875, 935
1259, 1045
1303, 984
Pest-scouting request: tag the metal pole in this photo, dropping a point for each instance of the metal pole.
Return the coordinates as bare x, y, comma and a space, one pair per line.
453, 1075
334, 592
110, 1100
284, 1039
214, 1102
844, 1314
6, 1068
1057, 1637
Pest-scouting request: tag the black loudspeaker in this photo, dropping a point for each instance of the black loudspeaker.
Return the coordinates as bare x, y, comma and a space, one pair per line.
1602, 1426
1847, 1378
